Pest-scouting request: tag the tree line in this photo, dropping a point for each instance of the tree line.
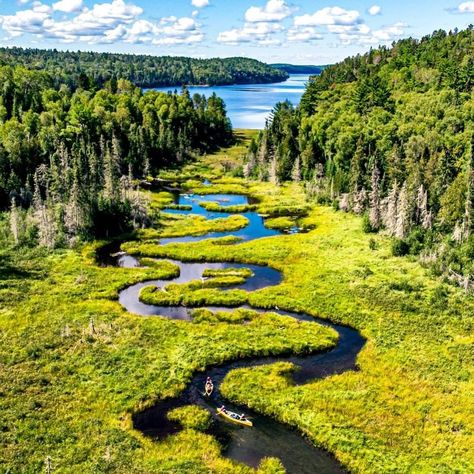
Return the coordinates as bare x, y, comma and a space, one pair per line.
388, 135
81, 69
69, 159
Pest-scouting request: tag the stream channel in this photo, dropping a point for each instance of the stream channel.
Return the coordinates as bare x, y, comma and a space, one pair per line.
267, 437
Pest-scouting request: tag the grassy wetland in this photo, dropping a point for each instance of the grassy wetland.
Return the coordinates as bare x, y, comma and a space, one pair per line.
75, 366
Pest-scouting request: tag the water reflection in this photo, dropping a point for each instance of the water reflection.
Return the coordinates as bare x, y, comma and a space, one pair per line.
254, 230
243, 100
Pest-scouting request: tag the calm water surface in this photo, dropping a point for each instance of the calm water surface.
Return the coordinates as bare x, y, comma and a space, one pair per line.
249, 105
267, 437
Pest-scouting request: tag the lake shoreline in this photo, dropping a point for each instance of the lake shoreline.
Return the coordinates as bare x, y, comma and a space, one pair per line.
249, 105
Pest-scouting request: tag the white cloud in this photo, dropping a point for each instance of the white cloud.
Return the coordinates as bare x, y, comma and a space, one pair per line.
375, 10
360, 29
26, 21
303, 34
363, 35
68, 6
261, 33
346, 24
329, 16
96, 24
274, 10
169, 31
262, 25
102, 23
200, 3
466, 7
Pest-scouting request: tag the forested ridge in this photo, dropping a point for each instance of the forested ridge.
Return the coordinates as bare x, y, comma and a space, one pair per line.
388, 135
299, 68
68, 159
90, 69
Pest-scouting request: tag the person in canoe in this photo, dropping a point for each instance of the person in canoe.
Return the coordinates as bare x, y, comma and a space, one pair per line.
209, 387
239, 419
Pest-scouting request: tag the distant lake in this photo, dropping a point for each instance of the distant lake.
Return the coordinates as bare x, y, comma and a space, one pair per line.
249, 105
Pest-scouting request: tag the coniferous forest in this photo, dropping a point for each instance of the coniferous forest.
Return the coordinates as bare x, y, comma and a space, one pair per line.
90, 69
178, 296
388, 135
68, 158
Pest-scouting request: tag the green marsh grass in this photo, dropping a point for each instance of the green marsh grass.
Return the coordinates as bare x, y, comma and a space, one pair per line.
75, 365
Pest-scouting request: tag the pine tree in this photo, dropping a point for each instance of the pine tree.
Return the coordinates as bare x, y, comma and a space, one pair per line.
424, 216
262, 156
391, 213
110, 188
42, 214
402, 225
468, 222
296, 171
273, 170
74, 215
374, 211
47, 226
359, 201
356, 168
139, 209
344, 202
15, 222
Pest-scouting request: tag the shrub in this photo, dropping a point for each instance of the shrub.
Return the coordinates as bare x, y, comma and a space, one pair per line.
400, 248
366, 225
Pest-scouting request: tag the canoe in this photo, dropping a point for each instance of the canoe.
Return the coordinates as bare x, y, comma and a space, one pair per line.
231, 416
208, 389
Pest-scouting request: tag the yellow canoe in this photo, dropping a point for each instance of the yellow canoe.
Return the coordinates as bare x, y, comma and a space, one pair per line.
231, 416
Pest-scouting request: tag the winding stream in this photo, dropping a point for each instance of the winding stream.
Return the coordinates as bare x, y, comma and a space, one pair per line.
267, 437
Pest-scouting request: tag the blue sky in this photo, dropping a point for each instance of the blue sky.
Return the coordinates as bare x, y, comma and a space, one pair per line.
299, 31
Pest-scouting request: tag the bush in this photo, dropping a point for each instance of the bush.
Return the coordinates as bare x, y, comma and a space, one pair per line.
367, 226
416, 241
400, 248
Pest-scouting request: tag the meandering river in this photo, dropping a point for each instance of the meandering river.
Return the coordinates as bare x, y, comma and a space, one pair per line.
267, 437
249, 105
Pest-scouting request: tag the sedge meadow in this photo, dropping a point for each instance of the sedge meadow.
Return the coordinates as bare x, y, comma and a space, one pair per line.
307, 244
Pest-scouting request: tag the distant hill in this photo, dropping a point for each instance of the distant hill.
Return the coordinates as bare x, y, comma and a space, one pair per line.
299, 69
85, 69
395, 121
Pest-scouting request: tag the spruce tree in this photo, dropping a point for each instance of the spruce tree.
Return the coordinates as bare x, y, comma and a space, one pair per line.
273, 170
391, 213
15, 222
402, 225
296, 171
374, 210
468, 222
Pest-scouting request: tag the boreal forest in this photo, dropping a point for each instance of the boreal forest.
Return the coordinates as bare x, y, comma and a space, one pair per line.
68, 157
388, 135
294, 294
90, 69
